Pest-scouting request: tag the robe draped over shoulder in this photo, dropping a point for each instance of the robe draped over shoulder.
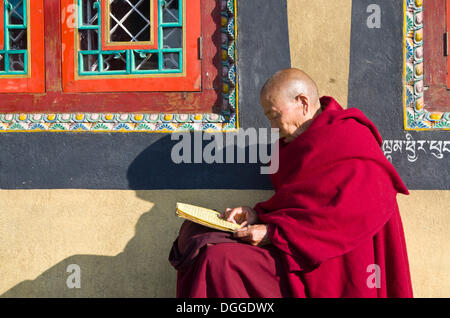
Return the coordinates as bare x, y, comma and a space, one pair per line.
333, 221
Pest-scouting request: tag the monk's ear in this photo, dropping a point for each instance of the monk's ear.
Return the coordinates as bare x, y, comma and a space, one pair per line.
303, 102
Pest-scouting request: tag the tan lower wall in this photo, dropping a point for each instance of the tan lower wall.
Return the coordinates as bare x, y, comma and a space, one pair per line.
121, 239
426, 219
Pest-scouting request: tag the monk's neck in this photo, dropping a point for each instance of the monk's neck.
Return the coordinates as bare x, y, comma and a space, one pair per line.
304, 126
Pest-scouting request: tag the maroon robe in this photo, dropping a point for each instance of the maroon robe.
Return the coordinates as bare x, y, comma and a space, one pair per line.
333, 221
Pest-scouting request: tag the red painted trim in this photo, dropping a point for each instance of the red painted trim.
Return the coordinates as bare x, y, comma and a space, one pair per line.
435, 63
112, 46
52, 36
191, 82
448, 44
55, 101
36, 82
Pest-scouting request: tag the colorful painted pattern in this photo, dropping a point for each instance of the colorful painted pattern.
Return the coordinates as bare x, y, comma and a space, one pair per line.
416, 115
144, 122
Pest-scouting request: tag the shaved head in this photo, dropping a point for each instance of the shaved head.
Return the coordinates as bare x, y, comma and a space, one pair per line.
290, 83
290, 100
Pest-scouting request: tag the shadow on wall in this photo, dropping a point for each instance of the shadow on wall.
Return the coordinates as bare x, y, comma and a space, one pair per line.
142, 269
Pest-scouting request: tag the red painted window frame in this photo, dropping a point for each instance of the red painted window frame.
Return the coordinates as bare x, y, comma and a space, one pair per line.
448, 44
191, 81
436, 95
34, 82
54, 100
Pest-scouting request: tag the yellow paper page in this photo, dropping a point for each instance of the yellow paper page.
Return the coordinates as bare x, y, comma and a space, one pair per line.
206, 217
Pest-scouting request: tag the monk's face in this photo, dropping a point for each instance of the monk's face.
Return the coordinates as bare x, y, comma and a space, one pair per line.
286, 114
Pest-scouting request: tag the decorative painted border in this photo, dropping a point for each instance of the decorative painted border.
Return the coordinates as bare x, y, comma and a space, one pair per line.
144, 122
416, 116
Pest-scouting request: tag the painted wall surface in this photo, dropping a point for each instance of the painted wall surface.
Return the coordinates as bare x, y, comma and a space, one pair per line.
120, 239
375, 87
142, 160
320, 43
106, 201
330, 39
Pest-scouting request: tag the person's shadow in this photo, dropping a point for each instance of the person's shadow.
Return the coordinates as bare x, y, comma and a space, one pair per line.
142, 269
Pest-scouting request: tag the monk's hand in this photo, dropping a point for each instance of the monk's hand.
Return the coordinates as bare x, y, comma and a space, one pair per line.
256, 235
242, 215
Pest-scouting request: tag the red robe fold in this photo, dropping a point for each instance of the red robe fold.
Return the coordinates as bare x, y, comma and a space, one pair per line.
333, 221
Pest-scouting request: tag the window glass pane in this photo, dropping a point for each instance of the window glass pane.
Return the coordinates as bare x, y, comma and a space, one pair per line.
129, 20
88, 40
16, 11
89, 12
171, 61
146, 61
173, 38
90, 62
171, 11
16, 62
14, 53
2, 62
18, 39
115, 62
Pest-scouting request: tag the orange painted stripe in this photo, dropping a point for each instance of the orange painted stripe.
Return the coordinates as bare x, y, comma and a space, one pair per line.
36, 51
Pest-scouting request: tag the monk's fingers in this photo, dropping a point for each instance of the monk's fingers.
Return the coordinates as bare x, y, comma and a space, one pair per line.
249, 239
225, 214
250, 234
230, 217
246, 234
242, 233
234, 215
244, 224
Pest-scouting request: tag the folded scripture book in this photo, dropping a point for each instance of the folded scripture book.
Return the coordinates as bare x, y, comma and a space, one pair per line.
206, 217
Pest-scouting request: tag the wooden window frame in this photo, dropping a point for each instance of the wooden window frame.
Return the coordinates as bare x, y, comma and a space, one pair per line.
425, 95
447, 42
34, 80
54, 100
436, 77
187, 80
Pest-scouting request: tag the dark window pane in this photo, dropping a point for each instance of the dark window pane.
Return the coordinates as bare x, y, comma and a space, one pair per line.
146, 61
171, 61
173, 38
129, 20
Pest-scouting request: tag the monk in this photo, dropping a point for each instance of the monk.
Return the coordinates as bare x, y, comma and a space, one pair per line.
332, 227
